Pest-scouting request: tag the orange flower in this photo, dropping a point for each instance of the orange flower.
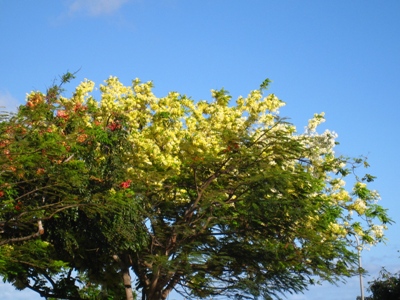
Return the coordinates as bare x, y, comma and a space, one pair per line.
1, 194
12, 168
34, 100
4, 143
40, 171
81, 138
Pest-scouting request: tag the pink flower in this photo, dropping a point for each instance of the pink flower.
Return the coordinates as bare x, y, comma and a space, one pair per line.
79, 107
125, 184
114, 126
62, 114
18, 206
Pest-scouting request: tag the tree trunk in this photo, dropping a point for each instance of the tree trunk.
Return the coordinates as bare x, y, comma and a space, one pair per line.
153, 295
157, 293
126, 277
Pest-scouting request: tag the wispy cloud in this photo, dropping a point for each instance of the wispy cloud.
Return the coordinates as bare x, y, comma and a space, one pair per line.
8, 102
96, 7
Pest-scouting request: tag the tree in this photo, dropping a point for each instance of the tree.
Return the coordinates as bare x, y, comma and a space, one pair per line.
207, 198
386, 286
35, 182
54, 184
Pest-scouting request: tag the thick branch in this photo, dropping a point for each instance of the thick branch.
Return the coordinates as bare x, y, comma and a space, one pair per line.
25, 238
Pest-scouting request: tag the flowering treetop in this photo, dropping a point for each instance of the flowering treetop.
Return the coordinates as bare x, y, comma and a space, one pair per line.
227, 196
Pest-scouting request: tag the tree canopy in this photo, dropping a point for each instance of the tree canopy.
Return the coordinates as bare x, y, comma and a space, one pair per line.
208, 198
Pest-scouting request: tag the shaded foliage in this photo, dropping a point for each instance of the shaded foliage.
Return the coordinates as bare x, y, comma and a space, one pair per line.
386, 286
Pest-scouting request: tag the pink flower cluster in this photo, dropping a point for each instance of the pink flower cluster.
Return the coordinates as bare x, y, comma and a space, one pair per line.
125, 184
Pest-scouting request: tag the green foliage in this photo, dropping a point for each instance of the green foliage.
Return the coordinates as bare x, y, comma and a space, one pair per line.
265, 84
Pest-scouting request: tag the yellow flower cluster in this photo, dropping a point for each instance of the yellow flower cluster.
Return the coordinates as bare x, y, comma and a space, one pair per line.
168, 135
338, 229
315, 121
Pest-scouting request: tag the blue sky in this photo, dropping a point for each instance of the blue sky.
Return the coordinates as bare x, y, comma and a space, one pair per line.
341, 57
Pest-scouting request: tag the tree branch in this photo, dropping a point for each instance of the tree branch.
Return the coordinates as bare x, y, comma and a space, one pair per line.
25, 238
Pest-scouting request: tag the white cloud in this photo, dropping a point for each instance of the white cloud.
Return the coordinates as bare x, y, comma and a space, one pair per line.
8, 102
96, 7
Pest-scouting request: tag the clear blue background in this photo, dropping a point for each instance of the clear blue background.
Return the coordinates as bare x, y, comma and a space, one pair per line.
341, 57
